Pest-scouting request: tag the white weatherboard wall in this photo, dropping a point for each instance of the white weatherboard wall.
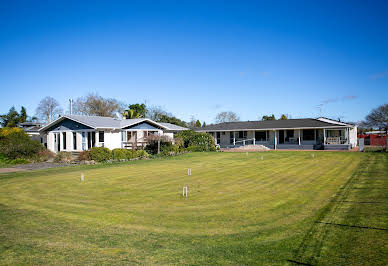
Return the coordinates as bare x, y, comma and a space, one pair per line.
112, 139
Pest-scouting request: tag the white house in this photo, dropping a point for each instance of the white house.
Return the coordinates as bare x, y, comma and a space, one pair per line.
310, 133
75, 133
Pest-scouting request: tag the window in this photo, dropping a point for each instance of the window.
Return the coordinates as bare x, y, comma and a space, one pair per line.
260, 135
74, 141
218, 135
101, 136
64, 140
308, 134
290, 134
83, 141
231, 137
242, 134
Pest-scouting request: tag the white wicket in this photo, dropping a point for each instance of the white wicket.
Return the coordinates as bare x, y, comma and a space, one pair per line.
184, 192
189, 171
82, 177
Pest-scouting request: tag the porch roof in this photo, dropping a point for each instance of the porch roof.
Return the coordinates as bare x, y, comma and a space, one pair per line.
275, 124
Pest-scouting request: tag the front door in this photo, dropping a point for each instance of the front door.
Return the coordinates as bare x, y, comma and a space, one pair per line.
91, 139
57, 142
281, 136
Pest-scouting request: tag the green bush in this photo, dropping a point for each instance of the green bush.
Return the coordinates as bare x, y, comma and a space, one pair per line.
63, 157
142, 154
195, 141
17, 144
84, 156
152, 146
170, 150
100, 154
121, 154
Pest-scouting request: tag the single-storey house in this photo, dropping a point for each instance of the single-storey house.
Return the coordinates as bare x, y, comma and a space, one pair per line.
32, 129
310, 133
76, 133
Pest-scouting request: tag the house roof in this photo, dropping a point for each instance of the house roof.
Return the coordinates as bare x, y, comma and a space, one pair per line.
172, 127
274, 124
110, 122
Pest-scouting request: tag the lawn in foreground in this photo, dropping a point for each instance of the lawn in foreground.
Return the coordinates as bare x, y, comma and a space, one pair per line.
241, 210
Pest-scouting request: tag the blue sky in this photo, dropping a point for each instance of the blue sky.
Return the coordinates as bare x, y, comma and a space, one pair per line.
199, 58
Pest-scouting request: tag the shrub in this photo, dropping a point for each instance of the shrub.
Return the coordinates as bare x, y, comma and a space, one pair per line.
15, 143
196, 141
142, 154
63, 157
121, 154
18, 161
152, 146
84, 156
45, 155
100, 154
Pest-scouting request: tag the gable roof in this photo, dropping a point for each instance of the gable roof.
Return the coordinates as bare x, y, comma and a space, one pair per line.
274, 124
110, 122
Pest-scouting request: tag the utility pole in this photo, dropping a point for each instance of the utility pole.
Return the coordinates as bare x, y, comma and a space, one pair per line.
71, 106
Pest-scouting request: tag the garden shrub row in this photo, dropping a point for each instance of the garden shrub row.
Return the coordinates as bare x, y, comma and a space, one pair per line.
100, 154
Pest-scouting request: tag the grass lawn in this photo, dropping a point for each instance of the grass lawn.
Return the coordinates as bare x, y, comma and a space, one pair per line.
328, 209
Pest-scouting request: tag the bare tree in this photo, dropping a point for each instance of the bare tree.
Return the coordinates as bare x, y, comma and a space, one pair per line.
227, 117
93, 104
377, 118
48, 109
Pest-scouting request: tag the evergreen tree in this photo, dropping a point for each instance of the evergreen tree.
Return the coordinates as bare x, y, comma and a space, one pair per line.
23, 115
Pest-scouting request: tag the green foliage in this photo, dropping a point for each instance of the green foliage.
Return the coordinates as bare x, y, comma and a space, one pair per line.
17, 144
283, 117
135, 111
204, 124
268, 117
142, 154
198, 123
120, 154
100, 154
23, 115
4, 161
63, 157
200, 141
84, 156
13, 118
152, 146
171, 120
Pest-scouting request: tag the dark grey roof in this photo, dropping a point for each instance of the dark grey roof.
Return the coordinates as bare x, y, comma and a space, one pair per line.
272, 124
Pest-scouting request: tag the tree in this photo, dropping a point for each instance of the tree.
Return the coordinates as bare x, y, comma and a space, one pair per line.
48, 108
158, 114
204, 124
227, 117
11, 119
283, 117
268, 117
377, 118
197, 123
23, 115
135, 111
93, 104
